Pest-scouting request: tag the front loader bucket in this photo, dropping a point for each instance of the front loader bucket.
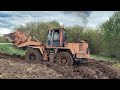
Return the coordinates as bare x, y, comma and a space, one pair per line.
10, 37
20, 39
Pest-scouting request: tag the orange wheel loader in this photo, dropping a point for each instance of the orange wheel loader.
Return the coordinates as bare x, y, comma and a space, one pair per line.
56, 50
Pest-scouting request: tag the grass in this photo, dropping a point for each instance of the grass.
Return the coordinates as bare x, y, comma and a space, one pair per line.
11, 49
116, 65
104, 58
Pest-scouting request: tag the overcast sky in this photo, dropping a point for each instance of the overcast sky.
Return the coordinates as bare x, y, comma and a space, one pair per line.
10, 19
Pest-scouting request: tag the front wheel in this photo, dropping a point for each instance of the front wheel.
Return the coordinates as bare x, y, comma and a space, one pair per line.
33, 55
63, 59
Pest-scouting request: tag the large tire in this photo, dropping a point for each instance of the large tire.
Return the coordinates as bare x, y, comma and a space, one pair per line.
33, 55
64, 59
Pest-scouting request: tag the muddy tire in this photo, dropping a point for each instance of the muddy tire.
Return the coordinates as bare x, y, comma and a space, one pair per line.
64, 59
33, 55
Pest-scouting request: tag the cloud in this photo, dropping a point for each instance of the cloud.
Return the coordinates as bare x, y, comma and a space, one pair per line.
98, 17
5, 31
10, 19
84, 15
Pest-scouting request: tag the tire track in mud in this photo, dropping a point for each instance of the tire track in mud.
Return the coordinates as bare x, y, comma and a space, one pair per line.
94, 70
86, 70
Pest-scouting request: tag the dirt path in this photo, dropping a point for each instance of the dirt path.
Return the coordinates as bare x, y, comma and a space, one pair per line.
16, 67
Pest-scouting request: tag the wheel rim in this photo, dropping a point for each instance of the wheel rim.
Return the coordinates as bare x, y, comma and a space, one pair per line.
32, 57
63, 61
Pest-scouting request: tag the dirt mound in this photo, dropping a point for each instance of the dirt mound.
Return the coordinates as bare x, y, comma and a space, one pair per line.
17, 67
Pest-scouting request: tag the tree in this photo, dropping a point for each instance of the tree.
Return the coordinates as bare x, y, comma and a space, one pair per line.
38, 29
94, 38
111, 33
74, 33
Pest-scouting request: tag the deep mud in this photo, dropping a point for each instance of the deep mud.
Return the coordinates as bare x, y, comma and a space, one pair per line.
15, 67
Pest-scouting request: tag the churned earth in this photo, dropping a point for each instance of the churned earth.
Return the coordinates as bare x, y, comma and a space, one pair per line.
15, 67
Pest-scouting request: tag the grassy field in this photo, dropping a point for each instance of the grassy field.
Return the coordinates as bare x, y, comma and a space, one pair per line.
11, 50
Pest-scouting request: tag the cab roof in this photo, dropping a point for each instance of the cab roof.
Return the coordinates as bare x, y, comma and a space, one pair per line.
58, 28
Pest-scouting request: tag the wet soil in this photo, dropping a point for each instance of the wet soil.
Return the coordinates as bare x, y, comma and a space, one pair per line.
15, 67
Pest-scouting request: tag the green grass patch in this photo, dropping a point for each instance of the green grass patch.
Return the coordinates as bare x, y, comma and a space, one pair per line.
104, 58
11, 49
116, 65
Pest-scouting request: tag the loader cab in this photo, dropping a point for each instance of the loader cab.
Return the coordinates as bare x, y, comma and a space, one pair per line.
56, 37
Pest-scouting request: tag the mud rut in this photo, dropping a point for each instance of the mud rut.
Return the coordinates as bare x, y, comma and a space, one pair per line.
86, 70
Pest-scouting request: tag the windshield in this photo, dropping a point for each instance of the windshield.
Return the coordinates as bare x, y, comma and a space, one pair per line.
50, 35
56, 35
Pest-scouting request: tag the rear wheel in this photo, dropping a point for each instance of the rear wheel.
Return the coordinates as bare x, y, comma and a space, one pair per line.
64, 59
33, 55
